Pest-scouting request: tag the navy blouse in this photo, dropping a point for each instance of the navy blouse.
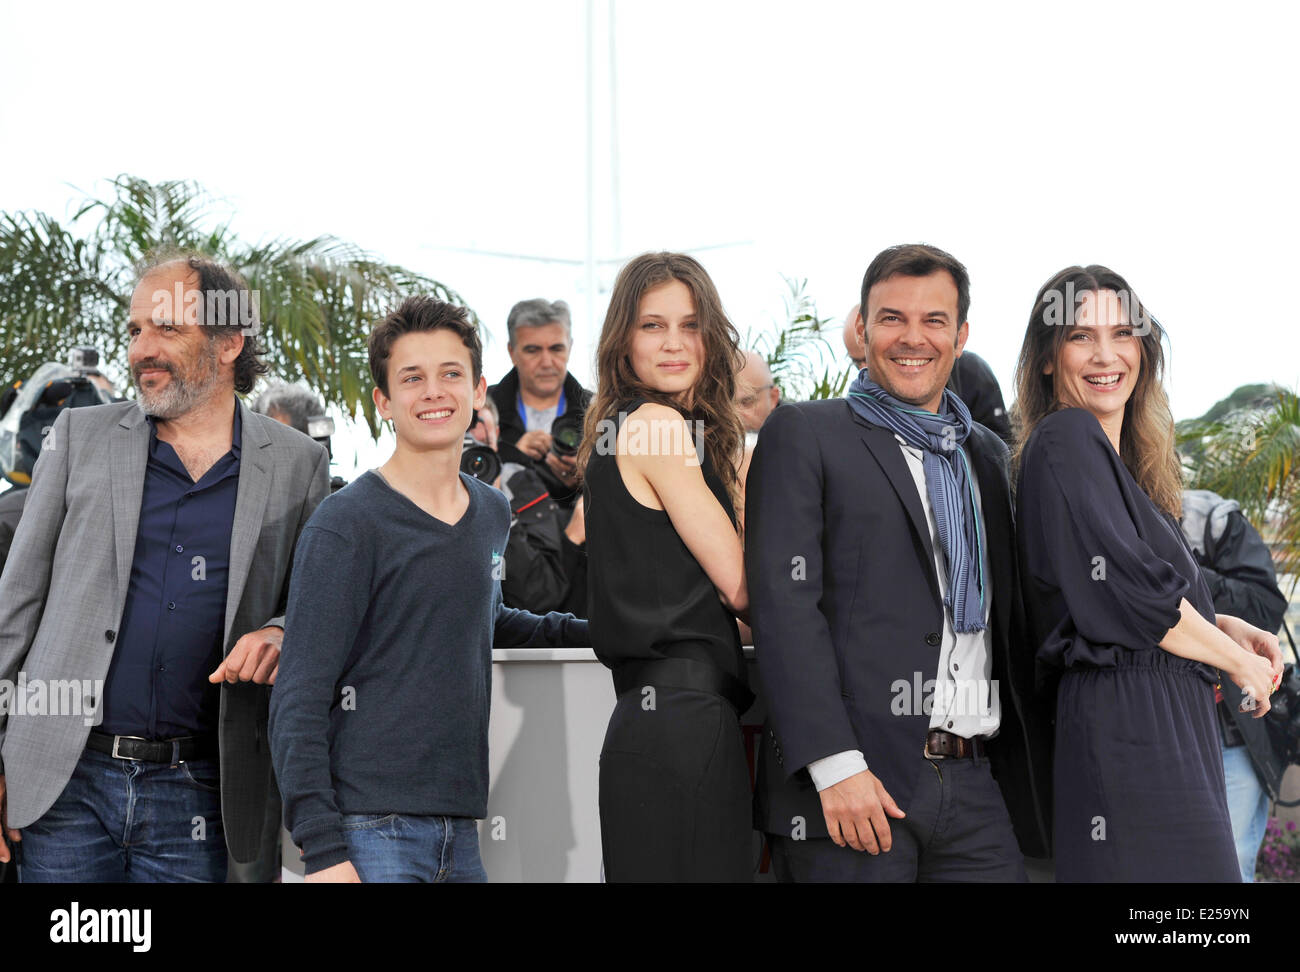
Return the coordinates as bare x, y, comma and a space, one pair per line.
1104, 570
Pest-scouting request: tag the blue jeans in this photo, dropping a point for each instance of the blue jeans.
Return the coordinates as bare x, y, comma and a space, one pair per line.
1247, 806
129, 821
413, 848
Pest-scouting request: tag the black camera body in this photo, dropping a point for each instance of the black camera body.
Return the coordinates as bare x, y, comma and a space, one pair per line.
28, 410
84, 359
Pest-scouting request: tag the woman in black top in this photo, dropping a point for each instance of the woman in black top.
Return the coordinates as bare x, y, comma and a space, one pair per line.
1124, 623
666, 578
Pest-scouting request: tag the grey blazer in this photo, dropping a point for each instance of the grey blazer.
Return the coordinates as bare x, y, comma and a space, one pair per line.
65, 583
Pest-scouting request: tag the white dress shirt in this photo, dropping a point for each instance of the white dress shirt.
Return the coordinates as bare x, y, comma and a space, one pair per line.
965, 698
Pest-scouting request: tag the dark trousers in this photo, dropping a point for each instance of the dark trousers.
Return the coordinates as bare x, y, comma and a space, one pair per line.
956, 829
674, 790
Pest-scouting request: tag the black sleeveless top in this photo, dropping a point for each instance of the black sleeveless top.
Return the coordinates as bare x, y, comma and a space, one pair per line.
647, 596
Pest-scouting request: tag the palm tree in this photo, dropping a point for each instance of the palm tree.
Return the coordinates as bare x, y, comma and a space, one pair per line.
803, 362
1252, 455
61, 289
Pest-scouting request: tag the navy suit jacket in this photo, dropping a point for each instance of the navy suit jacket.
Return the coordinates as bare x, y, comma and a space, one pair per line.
846, 609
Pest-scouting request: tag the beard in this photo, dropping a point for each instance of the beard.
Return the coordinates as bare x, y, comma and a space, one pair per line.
186, 388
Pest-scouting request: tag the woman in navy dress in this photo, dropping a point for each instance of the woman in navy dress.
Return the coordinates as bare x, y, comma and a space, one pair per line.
1123, 622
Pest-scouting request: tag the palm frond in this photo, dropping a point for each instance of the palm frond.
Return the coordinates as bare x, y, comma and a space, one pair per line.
803, 363
1250, 455
60, 288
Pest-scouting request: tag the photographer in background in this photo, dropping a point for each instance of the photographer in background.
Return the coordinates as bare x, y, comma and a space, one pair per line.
290, 405
27, 411
546, 556
540, 404
1238, 569
301, 409
756, 394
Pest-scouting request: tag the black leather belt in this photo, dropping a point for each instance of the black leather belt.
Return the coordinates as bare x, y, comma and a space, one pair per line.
683, 673
170, 751
941, 743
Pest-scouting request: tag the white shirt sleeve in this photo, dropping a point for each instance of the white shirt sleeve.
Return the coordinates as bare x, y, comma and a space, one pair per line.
830, 770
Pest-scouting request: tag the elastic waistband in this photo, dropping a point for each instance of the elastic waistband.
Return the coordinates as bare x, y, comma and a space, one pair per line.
1151, 659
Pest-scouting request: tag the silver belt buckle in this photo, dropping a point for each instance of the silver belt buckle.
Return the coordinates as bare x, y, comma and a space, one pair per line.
925, 751
117, 740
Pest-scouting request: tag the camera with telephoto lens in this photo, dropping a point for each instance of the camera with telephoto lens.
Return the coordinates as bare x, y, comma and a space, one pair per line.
566, 433
479, 461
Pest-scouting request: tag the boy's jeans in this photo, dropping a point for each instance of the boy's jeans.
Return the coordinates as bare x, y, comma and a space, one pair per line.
413, 848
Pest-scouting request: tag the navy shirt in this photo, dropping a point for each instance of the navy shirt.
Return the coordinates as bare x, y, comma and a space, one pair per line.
174, 620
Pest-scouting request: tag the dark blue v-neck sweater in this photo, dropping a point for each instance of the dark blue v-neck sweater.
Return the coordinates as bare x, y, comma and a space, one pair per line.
381, 701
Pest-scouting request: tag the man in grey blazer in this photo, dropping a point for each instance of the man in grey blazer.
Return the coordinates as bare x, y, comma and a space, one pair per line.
141, 608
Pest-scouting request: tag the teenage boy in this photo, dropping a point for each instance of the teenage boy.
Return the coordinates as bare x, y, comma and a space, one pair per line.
379, 718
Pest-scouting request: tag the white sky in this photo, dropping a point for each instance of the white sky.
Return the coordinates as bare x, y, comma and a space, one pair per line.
1156, 138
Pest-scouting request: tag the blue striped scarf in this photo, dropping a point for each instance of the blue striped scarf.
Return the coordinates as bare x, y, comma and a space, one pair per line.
947, 481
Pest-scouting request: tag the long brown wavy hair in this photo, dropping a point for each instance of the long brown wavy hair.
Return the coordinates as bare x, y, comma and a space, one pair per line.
1146, 441
713, 397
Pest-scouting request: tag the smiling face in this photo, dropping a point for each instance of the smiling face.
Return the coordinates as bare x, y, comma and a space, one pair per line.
434, 395
912, 336
175, 366
1099, 362
666, 349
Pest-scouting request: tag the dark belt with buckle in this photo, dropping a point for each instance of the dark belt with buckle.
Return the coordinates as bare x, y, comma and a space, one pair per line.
940, 743
170, 751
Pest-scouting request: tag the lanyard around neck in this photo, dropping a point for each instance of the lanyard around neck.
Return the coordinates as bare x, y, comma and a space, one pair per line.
523, 415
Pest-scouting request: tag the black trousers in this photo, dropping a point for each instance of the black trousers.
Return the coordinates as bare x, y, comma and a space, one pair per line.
674, 790
957, 829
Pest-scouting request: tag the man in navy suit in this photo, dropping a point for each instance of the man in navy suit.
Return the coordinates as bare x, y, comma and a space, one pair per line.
903, 743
